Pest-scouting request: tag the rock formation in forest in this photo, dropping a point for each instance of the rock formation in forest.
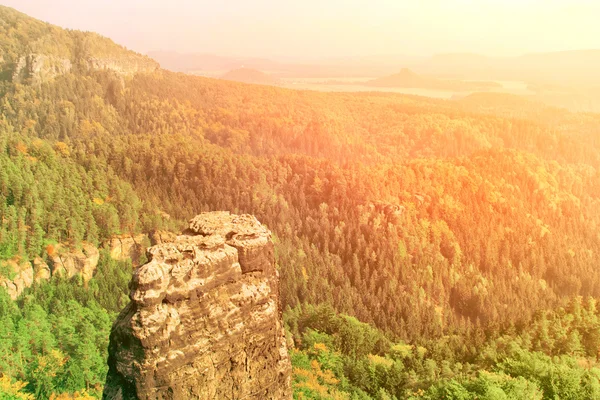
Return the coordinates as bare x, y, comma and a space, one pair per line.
71, 262
204, 319
124, 247
16, 275
39, 68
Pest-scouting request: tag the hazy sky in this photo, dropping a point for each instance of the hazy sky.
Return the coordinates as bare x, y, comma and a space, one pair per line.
321, 28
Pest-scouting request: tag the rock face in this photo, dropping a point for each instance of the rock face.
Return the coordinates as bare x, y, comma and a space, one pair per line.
123, 247
20, 276
17, 274
41, 67
204, 319
41, 270
126, 66
75, 262
158, 237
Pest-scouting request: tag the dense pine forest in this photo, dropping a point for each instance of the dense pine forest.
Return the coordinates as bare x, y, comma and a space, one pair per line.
434, 249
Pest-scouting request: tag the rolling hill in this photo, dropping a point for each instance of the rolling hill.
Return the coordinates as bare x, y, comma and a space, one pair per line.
409, 79
577, 67
249, 75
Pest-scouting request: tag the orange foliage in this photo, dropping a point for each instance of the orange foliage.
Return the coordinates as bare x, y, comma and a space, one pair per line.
37, 143
50, 250
21, 148
62, 148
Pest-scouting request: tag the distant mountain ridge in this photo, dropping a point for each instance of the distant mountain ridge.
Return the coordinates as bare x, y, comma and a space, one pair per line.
196, 62
249, 75
577, 66
409, 79
566, 67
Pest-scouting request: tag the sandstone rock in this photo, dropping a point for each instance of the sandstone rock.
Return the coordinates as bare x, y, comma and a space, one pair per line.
158, 237
124, 65
123, 247
204, 319
20, 276
75, 262
41, 270
40, 67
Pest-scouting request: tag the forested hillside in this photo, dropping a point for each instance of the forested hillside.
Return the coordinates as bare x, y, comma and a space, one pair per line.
453, 231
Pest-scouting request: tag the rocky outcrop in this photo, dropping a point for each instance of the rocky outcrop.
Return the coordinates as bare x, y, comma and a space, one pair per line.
16, 276
40, 68
69, 263
123, 247
158, 237
124, 65
387, 209
41, 270
204, 319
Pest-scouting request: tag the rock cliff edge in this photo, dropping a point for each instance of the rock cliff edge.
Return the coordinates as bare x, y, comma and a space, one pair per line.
204, 319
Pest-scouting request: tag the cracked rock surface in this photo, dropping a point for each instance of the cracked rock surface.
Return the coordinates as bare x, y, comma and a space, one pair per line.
204, 319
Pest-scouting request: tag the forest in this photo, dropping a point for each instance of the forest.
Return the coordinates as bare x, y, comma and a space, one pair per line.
435, 249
